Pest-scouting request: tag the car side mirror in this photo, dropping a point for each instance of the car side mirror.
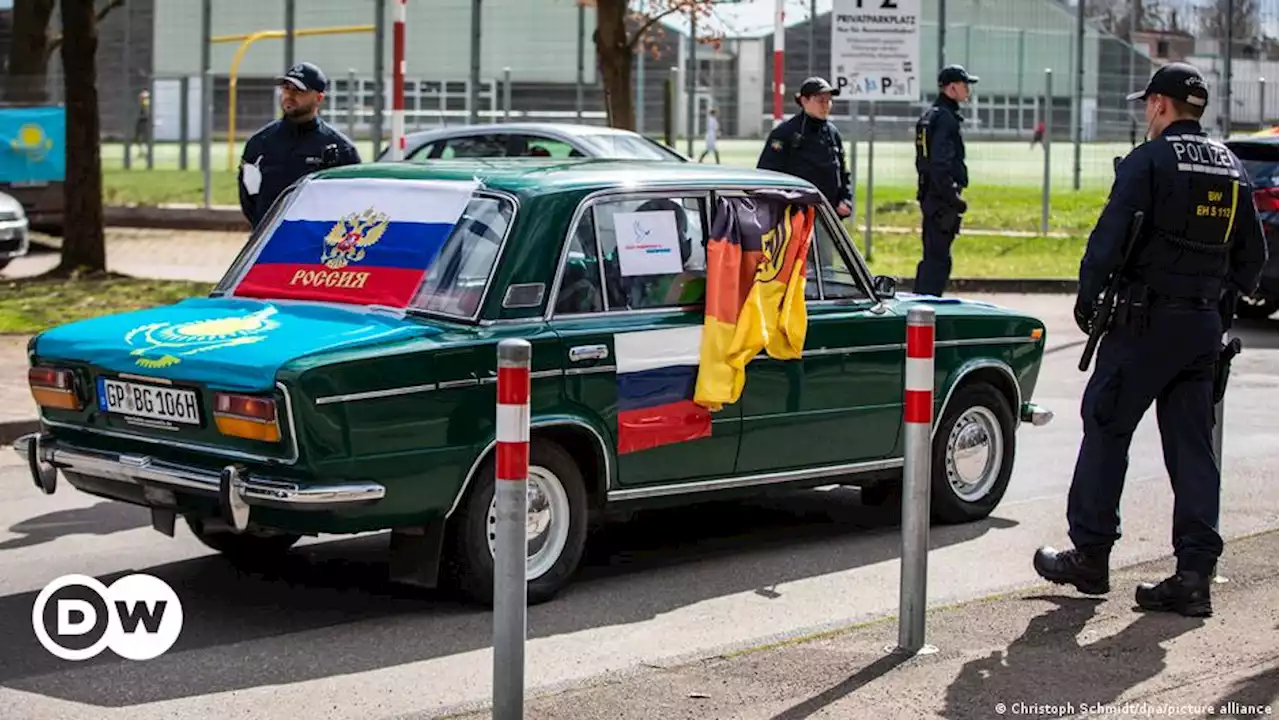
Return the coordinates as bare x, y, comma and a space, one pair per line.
885, 286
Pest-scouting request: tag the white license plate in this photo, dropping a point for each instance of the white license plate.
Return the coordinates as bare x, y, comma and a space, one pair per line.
148, 401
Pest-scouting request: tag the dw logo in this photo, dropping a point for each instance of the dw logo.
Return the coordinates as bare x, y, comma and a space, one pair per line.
76, 617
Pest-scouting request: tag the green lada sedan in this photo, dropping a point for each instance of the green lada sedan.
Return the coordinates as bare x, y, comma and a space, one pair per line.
340, 378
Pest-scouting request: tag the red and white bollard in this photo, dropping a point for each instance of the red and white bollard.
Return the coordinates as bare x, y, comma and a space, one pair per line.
397, 82
917, 416
779, 42
510, 555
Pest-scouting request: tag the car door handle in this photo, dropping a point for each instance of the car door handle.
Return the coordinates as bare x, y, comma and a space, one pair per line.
588, 352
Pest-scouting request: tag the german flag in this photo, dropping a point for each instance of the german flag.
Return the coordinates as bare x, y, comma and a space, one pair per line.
755, 291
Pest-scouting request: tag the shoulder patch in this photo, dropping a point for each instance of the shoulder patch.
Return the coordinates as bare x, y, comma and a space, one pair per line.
775, 145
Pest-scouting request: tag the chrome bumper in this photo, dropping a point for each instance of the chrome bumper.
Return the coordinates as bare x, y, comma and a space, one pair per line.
47, 455
1035, 414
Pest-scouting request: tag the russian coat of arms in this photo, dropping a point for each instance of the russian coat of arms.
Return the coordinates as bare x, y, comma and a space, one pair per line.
348, 238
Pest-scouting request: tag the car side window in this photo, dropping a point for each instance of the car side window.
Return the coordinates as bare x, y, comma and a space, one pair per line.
423, 152
538, 146
580, 290
839, 282
653, 251
475, 146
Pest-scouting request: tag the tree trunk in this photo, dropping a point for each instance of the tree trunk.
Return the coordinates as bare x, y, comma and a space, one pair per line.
29, 53
83, 244
614, 56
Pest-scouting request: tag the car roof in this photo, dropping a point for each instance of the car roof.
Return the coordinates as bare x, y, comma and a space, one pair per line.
533, 176
564, 129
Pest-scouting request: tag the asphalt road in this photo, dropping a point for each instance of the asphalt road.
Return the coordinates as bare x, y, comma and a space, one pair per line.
325, 637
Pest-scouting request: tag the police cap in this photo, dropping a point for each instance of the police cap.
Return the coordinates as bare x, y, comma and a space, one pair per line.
305, 76
814, 86
955, 73
1179, 81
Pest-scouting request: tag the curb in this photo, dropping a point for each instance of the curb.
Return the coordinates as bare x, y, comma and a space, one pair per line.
176, 218
11, 430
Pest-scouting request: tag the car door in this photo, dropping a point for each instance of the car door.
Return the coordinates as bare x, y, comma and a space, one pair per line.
841, 403
631, 328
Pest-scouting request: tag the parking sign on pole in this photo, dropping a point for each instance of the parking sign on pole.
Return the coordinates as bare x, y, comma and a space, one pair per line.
875, 49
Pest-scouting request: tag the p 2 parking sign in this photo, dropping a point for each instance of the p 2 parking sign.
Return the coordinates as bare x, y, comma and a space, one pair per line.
76, 617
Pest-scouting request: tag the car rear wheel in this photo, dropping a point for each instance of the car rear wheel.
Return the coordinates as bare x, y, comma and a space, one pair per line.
973, 450
556, 528
1255, 308
246, 547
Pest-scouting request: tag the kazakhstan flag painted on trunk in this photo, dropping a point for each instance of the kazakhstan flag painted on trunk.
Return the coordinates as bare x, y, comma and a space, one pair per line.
755, 289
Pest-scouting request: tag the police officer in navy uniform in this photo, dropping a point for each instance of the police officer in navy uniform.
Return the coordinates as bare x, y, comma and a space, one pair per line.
1200, 246
808, 146
941, 177
293, 146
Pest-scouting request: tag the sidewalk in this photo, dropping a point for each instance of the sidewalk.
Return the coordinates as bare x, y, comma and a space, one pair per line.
1047, 652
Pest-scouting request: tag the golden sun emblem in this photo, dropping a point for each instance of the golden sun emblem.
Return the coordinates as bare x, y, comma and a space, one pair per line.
348, 238
32, 142
173, 342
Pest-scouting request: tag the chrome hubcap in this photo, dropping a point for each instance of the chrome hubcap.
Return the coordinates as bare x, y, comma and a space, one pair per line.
975, 452
546, 521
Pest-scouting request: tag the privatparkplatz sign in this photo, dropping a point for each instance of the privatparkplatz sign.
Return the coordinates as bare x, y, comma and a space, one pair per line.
875, 49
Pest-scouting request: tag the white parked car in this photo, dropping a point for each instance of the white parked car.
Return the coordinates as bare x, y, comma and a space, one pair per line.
14, 237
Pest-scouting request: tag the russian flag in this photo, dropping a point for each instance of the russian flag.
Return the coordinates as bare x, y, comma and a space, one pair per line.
657, 370
358, 241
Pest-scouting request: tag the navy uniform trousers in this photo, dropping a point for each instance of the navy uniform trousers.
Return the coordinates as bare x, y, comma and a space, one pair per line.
939, 227
1168, 360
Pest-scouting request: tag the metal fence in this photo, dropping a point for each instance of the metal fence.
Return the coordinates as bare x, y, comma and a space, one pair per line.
1029, 64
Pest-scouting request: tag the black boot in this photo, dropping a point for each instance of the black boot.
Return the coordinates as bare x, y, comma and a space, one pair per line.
1186, 593
1087, 570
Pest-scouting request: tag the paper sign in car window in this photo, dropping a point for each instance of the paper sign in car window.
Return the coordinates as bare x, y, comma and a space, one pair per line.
648, 243
361, 242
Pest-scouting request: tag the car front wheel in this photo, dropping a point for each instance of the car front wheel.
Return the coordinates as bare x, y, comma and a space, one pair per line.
972, 454
556, 526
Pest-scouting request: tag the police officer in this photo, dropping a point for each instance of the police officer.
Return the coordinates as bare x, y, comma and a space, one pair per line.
941, 177
293, 146
1200, 246
808, 146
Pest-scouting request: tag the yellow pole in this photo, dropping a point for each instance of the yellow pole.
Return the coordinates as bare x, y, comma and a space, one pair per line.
245, 41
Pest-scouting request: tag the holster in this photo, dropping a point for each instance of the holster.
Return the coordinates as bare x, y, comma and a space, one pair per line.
1133, 307
1222, 368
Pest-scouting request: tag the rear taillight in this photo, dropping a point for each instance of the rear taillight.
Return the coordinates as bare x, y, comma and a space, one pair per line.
1267, 199
246, 416
53, 388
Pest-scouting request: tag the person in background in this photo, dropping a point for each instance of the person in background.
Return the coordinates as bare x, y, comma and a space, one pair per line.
142, 125
809, 146
1038, 137
713, 129
296, 145
942, 177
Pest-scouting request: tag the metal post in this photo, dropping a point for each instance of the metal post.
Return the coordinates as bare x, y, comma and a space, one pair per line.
691, 122
352, 97
397, 82
669, 106
290, 24
206, 99
473, 86
1226, 85
871, 174
1262, 102
640, 62
779, 48
506, 94
379, 73
917, 428
942, 34
582, 34
1079, 109
510, 557
127, 73
813, 16
184, 120
1048, 133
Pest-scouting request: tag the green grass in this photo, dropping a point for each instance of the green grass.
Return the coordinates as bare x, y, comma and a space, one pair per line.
981, 256
29, 306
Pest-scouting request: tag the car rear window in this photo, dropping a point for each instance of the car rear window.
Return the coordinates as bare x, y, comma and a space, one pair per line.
1262, 161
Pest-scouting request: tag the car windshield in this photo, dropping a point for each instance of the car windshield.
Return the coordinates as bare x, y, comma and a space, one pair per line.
629, 147
1260, 160
403, 244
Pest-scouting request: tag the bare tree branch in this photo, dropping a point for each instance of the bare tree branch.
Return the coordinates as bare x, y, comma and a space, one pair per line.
56, 41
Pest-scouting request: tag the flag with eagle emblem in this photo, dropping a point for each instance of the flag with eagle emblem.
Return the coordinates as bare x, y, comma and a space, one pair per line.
356, 241
755, 288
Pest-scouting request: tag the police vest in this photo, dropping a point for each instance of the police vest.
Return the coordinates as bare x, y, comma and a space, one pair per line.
1198, 192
